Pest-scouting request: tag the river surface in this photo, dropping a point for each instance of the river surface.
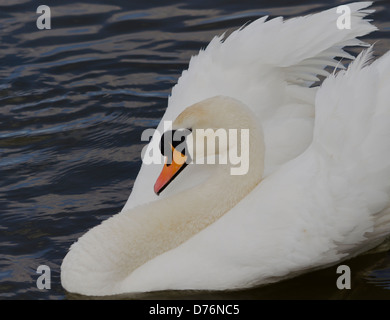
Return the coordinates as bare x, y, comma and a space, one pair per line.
74, 102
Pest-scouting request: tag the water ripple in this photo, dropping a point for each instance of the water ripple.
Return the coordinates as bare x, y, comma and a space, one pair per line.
74, 102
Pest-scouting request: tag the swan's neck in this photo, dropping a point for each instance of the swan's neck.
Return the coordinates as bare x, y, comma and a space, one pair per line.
128, 240
165, 224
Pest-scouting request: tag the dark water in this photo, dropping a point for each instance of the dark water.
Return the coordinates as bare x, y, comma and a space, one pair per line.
74, 101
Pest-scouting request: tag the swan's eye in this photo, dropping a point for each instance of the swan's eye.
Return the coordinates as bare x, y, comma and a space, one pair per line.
175, 139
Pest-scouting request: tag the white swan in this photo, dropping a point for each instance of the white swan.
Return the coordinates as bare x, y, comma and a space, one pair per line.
327, 204
269, 66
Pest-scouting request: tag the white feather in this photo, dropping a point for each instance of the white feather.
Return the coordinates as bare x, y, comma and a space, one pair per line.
264, 65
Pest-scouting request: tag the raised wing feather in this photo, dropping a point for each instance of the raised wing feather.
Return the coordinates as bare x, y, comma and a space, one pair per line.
268, 65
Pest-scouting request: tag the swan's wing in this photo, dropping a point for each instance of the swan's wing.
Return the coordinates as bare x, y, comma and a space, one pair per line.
268, 65
245, 64
352, 131
328, 204
313, 53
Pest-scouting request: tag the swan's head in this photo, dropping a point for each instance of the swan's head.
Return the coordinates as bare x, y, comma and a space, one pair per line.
214, 130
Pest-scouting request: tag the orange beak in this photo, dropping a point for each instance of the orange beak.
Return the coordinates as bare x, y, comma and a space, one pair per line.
170, 171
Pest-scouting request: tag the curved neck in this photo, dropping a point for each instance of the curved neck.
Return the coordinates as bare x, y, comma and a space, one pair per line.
128, 240
166, 223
